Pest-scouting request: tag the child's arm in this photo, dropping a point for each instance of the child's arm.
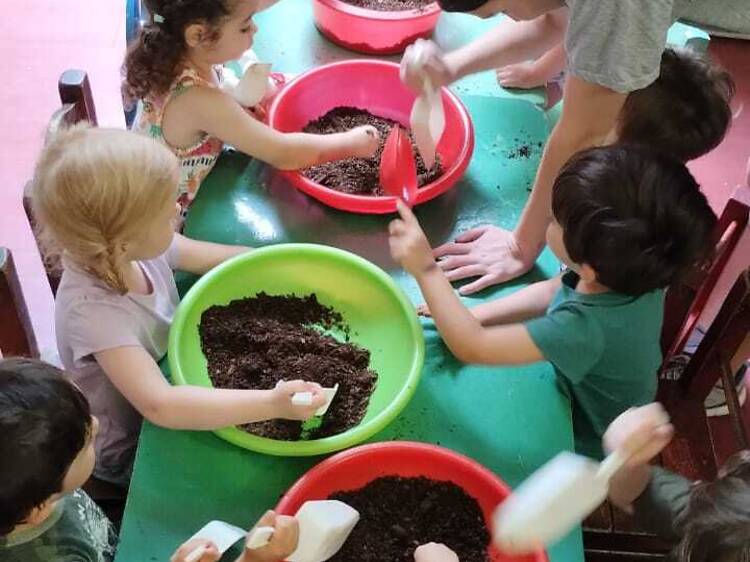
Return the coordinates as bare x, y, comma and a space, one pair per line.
642, 433
532, 74
525, 304
217, 113
138, 378
197, 256
462, 332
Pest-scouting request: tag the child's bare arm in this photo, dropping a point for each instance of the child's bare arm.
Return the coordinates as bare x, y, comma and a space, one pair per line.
138, 378
463, 334
197, 256
525, 304
215, 112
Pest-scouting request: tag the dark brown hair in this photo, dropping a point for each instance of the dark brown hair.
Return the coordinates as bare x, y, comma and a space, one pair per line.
685, 112
153, 60
716, 525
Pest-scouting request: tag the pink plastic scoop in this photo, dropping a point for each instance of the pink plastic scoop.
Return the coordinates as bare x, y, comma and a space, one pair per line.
398, 169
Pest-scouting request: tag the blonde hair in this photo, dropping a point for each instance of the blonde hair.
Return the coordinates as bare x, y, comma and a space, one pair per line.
95, 190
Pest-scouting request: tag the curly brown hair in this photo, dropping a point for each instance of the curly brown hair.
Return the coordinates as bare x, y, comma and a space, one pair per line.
153, 60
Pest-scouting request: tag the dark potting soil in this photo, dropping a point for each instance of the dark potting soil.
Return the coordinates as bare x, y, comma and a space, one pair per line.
398, 514
360, 176
391, 5
255, 342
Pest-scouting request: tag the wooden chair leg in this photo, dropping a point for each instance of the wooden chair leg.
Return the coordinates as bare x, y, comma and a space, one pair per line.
16, 334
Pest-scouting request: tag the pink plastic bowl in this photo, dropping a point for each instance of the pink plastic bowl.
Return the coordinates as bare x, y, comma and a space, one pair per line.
371, 31
359, 466
375, 86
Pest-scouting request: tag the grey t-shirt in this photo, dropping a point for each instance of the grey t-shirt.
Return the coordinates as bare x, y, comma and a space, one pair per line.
661, 506
618, 43
90, 317
77, 531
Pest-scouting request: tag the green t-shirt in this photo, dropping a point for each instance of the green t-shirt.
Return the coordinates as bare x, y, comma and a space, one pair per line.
77, 531
605, 351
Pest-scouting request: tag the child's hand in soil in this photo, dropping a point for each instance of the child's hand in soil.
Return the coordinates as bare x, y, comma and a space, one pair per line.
522, 75
641, 433
433, 552
211, 553
283, 542
281, 396
409, 246
364, 141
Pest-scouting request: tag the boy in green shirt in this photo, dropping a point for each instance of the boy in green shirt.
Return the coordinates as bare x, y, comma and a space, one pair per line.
627, 222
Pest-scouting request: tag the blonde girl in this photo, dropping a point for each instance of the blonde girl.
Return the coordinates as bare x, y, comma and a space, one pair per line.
105, 201
174, 68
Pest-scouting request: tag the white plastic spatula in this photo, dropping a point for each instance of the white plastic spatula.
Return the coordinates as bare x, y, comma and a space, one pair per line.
553, 500
306, 398
427, 118
222, 534
324, 526
247, 80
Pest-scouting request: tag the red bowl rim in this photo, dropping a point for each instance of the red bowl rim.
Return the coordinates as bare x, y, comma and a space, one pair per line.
478, 471
365, 13
385, 203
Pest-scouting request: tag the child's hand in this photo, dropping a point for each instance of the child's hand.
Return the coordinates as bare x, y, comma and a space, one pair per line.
433, 552
364, 141
522, 75
431, 64
641, 433
281, 397
283, 542
210, 553
409, 246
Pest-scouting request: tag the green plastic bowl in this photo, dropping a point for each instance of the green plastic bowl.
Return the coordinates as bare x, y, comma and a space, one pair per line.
381, 317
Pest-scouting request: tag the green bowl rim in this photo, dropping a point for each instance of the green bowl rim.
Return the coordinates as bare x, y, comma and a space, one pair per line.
326, 445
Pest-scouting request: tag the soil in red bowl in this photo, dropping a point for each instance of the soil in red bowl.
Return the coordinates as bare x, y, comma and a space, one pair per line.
255, 342
391, 5
360, 176
398, 514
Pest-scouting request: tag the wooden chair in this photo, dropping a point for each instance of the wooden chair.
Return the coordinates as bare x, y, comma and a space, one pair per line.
609, 534
77, 105
16, 334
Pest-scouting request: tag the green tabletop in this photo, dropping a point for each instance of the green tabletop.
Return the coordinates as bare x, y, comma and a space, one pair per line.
511, 420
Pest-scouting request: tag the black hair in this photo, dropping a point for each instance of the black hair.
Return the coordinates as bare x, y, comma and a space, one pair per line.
636, 216
153, 60
715, 527
461, 5
684, 112
44, 424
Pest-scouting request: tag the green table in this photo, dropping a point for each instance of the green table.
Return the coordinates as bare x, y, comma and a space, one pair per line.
510, 420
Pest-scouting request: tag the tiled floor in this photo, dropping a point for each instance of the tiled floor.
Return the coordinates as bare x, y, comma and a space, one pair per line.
41, 39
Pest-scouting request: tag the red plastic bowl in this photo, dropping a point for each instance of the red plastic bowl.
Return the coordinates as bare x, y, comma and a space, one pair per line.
357, 467
371, 31
375, 86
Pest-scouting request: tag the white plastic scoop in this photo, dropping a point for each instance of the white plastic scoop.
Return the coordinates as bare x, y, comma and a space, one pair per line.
306, 398
254, 83
324, 526
222, 534
557, 497
427, 118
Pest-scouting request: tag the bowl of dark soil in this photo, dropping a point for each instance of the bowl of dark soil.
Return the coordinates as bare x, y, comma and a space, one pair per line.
343, 95
408, 494
375, 27
301, 311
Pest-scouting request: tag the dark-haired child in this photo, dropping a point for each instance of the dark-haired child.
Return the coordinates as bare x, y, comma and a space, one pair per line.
47, 438
627, 222
173, 67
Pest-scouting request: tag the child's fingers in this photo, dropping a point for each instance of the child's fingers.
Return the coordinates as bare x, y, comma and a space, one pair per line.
267, 520
406, 213
196, 550
397, 227
286, 535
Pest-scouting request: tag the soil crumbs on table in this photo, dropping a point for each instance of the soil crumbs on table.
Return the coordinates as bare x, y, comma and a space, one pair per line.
254, 342
391, 5
398, 514
360, 176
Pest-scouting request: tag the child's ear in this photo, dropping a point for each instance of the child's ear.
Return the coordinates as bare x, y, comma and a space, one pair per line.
195, 34
587, 273
37, 515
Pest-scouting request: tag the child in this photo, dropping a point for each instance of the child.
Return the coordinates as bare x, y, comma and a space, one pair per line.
104, 199
172, 68
627, 222
48, 454
707, 522
685, 113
